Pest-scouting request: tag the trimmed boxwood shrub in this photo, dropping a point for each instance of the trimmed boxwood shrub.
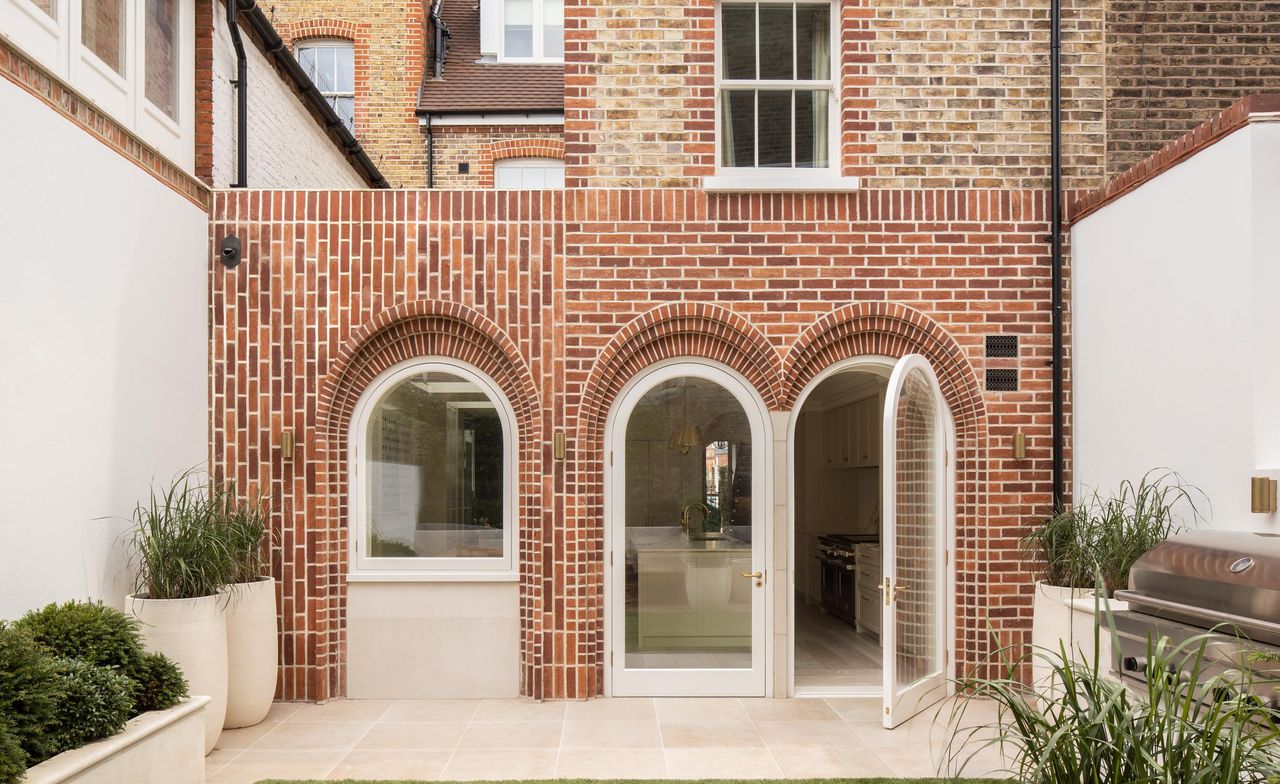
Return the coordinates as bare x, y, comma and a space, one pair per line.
161, 684
30, 690
13, 760
95, 703
89, 631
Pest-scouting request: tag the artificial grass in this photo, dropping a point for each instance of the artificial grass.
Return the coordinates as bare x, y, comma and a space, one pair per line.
658, 781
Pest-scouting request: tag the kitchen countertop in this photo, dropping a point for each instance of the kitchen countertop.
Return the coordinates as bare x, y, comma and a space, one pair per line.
671, 539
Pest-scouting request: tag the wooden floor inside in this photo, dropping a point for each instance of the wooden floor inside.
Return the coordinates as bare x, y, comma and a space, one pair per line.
831, 654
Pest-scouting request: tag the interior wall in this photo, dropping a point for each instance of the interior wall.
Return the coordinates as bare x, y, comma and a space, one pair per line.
103, 353
1174, 350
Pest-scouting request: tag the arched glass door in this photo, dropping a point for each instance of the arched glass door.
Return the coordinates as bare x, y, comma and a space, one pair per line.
686, 562
917, 484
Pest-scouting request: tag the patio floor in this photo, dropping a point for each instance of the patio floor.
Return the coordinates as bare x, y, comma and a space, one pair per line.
602, 738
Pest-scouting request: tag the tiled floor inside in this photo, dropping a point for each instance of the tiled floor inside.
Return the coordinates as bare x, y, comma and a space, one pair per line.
602, 738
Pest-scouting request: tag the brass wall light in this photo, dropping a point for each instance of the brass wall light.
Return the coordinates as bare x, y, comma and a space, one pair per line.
286, 445
557, 445
1262, 494
1019, 446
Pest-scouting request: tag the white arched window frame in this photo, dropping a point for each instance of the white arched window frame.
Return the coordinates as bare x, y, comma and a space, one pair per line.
330, 63
365, 567
529, 174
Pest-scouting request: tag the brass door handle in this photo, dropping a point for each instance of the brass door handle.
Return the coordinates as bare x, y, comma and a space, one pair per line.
890, 590
757, 576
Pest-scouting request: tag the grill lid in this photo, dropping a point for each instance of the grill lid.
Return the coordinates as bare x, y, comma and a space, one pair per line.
1211, 577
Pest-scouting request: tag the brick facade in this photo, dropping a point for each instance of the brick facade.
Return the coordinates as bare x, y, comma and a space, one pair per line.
388, 37
479, 146
562, 297
1174, 63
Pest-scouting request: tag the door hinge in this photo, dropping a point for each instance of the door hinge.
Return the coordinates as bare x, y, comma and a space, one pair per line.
610, 658
611, 558
946, 457
610, 457
946, 557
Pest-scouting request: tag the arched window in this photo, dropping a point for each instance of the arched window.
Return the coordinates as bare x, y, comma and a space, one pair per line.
331, 65
530, 174
432, 457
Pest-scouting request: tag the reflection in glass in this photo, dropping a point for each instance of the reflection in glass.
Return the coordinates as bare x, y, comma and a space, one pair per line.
517, 22
688, 529
102, 31
435, 463
161, 51
917, 617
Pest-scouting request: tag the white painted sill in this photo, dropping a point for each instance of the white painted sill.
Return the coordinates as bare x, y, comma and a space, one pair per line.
442, 576
780, 183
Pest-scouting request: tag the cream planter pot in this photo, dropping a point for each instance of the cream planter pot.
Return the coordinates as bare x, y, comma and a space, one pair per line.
192, 632
160, 747
252, 652
1065, 617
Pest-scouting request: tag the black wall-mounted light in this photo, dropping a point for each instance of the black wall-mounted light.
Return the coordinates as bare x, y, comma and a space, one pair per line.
229, 251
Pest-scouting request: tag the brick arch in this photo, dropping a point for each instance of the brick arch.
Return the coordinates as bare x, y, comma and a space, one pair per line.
318, 27
524, 147
895, 330
420, 328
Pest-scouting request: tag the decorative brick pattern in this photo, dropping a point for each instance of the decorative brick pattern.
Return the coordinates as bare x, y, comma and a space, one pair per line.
478, 146
1173, 63
389, 38
1228, 121
57, 95
562, 297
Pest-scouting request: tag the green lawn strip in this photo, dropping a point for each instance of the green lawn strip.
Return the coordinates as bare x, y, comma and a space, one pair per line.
658, 781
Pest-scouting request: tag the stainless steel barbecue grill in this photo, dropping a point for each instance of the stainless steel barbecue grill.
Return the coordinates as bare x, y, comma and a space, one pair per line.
1224, 583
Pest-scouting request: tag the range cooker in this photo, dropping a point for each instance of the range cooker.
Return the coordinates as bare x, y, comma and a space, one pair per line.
837, 555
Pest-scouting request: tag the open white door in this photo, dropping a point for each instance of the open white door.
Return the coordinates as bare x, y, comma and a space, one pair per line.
916, 476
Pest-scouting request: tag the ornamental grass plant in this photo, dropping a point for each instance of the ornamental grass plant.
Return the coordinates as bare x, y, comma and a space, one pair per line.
178, 549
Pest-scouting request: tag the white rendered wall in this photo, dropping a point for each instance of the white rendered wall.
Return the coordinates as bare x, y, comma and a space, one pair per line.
103, 352
1176, 341
287, 147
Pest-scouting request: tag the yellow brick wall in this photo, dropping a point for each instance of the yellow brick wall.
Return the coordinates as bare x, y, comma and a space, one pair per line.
475, 147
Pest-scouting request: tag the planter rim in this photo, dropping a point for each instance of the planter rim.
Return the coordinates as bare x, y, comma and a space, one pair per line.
259, 581
69, 763
133, 597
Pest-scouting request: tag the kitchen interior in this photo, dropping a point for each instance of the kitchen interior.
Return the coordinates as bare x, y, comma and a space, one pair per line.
838, 555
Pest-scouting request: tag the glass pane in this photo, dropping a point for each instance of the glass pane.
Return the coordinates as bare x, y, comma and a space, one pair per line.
102, 31
775, 128
345, 65
813, 42
687, 604
738, 128
777, 50
738, 40
518, 23
811, 128
917, 485
325, 69
161, 40
345, 107
553, 41
435, 468
307, 59
50, 7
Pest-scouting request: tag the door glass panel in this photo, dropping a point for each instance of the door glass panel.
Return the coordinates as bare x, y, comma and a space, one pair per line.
917, 616
688, 529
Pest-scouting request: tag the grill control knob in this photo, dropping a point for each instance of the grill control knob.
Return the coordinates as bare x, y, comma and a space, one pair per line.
1133, 664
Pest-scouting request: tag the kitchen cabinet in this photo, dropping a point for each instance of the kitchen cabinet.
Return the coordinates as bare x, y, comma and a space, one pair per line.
851, 435
867, 595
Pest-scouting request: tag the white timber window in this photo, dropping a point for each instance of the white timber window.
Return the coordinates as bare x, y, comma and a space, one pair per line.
331, 66
133, 59
531, 30
432, 457
528, 174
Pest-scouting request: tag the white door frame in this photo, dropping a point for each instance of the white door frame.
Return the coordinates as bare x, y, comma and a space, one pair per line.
882, 366
761, 488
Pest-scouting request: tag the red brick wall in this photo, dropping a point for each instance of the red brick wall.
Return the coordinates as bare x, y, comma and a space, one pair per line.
562, 297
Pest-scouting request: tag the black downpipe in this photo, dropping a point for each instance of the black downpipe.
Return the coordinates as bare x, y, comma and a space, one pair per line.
1055, 199
242, 98
431, 155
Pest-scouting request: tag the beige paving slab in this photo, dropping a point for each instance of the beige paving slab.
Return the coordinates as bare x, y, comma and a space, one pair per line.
432, 710
492, 765
807, 734
245, 737
218, 759
392, 764
856, 761
737, 763
341, 710
796, 709
611, 735
857, 708
611, 764
700, 709
710, 735
519, 710
612, 709
281, 711
910, 762
512, 735
254, 765
319, 735
413, 735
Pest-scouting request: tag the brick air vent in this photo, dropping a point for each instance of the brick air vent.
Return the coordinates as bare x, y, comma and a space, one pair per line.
1002, 346
1002, 380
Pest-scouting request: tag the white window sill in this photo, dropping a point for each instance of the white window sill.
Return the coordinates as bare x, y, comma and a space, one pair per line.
780, 183
433, 577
